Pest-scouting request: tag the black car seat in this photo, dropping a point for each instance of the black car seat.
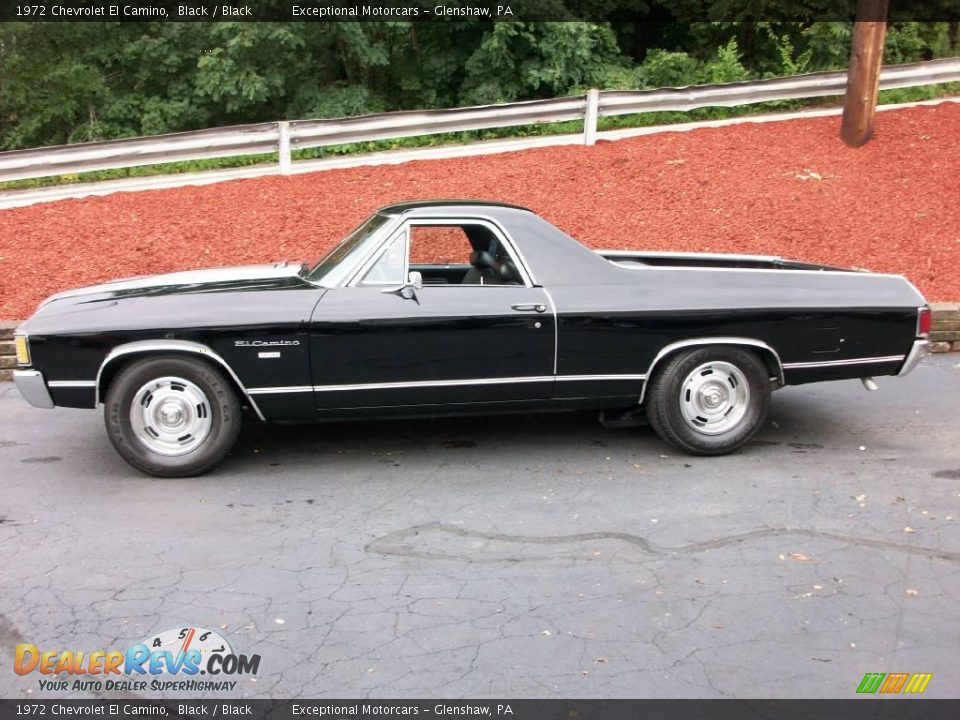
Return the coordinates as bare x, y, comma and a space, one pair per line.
485, 270
509, 275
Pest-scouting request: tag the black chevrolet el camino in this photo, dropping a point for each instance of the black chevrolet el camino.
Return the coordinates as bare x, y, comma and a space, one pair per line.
449, 307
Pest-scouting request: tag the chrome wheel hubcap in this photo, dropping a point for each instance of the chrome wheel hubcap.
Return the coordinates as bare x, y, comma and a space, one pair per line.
714, 398
171, 416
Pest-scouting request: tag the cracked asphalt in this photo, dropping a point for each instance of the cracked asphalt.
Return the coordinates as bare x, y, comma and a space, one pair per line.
509, 557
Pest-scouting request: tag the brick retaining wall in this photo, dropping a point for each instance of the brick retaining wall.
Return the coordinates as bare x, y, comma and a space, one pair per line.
8, 355
945, 330
944, 336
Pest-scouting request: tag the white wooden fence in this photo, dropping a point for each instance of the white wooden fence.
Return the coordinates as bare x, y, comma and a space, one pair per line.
284, 137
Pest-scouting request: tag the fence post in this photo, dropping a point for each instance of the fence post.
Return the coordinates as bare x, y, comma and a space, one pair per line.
590, 118
284, 147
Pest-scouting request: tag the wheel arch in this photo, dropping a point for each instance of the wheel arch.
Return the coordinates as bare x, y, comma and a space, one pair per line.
119, 356
764, 351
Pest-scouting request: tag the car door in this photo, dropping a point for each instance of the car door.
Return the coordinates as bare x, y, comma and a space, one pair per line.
376, 344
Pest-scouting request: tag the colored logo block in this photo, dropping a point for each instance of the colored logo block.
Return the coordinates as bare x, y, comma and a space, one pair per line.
890, 683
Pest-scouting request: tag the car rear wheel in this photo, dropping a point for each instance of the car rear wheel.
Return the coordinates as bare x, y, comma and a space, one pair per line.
709, 401
172, 416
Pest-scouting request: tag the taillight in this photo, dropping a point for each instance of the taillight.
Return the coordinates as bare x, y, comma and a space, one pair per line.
923, 322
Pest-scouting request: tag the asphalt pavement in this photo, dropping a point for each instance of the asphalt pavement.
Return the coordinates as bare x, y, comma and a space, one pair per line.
509, 557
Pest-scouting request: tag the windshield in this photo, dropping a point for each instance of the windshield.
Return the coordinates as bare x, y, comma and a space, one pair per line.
324, 272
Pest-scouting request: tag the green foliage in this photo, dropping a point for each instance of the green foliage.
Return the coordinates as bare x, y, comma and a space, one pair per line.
725, 66
663, 68
914, 41
539, 59
75, 82
791, 62
828, 44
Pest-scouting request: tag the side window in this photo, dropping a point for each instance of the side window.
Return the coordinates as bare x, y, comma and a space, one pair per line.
390, 268
461, 254
439, 245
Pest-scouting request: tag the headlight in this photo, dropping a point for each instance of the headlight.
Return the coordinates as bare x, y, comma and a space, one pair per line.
23, 349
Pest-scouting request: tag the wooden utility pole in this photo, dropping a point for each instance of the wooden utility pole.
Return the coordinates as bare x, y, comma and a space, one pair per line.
863, 75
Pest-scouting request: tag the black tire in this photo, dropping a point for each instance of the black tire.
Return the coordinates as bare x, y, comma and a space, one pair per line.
219, 418
669, 402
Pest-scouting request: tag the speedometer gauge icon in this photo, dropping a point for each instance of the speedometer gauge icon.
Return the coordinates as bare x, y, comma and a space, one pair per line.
179, 641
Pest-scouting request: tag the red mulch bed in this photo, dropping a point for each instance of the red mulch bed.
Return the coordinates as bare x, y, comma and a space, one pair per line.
784, 188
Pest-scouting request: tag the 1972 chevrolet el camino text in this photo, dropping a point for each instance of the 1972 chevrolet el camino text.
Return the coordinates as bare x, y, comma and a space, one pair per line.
448, 307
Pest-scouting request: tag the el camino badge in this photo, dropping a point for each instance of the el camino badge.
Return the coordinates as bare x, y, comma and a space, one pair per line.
264, 343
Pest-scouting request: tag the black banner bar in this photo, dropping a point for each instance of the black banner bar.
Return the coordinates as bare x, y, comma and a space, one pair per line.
459, 10
893, 708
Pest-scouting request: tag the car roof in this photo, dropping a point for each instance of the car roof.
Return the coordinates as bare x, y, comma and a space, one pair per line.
419, 206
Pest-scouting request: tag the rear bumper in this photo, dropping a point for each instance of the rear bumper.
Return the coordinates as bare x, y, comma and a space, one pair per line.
921, 348
33, 387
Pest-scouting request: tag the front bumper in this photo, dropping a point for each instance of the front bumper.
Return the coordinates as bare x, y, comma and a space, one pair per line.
33, 387
921, 348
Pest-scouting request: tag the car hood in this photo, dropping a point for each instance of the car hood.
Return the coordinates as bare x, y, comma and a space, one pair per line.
207, 280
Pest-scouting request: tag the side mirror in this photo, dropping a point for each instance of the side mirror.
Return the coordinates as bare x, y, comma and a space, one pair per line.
408, 291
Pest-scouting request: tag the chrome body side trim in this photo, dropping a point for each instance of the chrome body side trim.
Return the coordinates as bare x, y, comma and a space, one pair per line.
32, 387
581, 378
436, 383
842, 363
280, 389
185, 346
920, 349
439, 383
695, 342
72, 383
687, 255
682, 268
556, 329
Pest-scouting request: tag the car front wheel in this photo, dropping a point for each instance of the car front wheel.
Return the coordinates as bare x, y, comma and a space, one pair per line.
172, 416
709, 401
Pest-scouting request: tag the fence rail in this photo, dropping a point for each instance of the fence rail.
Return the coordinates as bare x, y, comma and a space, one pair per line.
113, 154
317, 133
284, 137
820, 84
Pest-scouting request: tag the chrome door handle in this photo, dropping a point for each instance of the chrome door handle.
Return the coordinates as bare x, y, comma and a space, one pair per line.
530, 307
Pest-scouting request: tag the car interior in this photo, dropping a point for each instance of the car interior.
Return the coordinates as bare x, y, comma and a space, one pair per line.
461, 255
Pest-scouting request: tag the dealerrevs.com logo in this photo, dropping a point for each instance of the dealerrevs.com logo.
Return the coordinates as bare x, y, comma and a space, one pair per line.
168, 661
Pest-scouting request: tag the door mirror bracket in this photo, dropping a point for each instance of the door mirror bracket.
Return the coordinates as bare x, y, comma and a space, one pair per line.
408, 291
